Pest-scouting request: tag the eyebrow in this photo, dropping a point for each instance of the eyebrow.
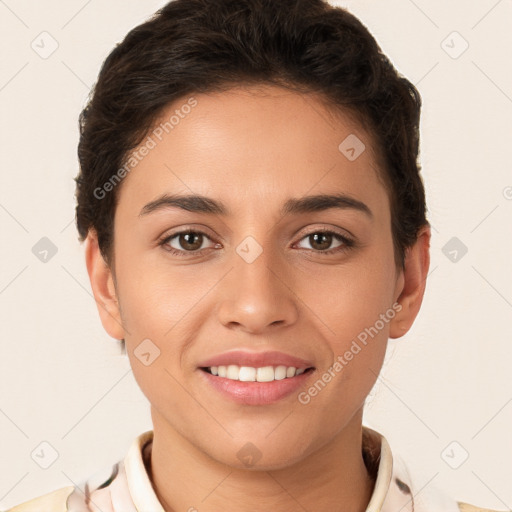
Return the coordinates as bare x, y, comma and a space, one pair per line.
207, 205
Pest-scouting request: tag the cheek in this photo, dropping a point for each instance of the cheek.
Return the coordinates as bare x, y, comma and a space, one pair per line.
348, 300
153, 295
355, 311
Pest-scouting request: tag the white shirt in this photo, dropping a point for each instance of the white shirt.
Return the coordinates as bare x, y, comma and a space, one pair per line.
126, 487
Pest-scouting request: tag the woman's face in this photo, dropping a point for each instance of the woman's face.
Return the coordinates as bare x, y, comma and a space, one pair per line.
256, 277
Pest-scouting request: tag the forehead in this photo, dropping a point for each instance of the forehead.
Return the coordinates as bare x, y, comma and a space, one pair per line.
253, 145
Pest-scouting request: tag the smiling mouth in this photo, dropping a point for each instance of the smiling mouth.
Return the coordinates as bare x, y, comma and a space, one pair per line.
253, 374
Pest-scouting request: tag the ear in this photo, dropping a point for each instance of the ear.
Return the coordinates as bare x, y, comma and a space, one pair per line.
103, 288
411, 284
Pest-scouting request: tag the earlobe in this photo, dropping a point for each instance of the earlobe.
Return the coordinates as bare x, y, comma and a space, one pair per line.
414, 278
103, 288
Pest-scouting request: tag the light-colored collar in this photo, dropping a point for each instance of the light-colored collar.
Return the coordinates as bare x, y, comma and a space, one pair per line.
384, 473
139, 484
145, 499
126, 486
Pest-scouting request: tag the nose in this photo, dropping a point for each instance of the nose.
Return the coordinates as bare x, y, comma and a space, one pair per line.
257, 296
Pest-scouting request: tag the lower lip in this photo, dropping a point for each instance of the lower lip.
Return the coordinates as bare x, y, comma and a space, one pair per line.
256, 393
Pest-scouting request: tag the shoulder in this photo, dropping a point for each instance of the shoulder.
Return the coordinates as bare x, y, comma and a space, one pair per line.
404, 485
466, 507
55, 501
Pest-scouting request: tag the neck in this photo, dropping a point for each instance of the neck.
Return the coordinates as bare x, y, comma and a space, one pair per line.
187, 479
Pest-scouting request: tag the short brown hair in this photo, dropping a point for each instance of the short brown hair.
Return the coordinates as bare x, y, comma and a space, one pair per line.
195, 46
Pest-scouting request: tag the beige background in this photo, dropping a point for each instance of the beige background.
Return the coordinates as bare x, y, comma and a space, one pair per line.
62, 378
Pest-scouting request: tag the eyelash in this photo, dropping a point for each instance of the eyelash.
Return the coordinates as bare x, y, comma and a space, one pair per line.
348, 243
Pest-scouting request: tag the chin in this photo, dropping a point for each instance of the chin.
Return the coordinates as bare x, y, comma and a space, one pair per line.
260, 455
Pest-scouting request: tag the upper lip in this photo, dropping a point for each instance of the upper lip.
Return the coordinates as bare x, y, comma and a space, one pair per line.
256, 359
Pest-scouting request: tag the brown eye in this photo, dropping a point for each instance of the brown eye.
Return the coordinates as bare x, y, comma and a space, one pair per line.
190, 241
321, 241
184, 242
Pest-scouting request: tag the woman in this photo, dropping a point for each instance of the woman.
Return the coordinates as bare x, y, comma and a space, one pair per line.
255, 230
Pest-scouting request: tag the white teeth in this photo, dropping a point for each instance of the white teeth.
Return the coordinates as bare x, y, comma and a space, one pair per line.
250, 374
247, 374
280, 373
265, 374
233, 372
